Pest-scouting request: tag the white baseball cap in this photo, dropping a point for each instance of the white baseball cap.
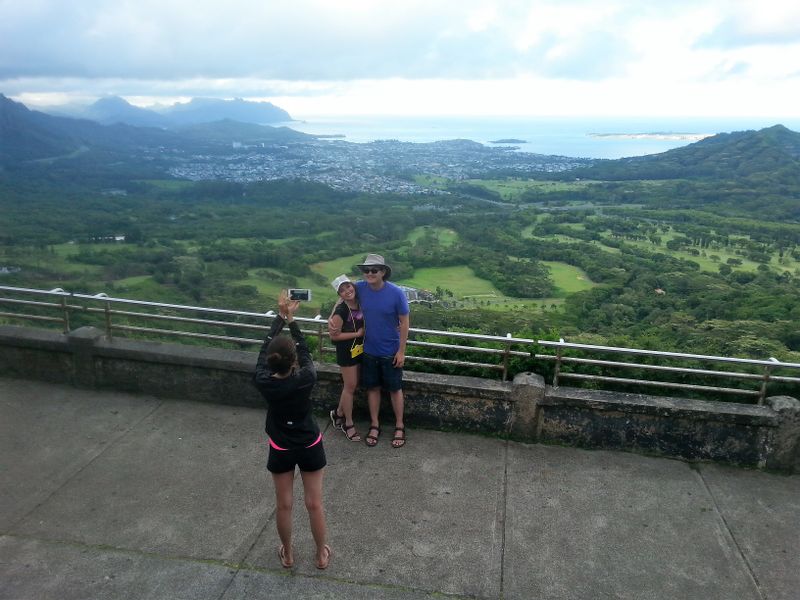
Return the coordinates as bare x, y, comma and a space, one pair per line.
337, 283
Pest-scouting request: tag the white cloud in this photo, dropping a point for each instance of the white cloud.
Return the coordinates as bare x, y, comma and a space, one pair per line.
482, 18
507, 56
748, 23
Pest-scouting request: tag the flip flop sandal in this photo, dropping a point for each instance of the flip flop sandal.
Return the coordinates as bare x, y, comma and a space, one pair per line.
351, 436
399, 439
327, 560
336, 419
372, 440
284, 559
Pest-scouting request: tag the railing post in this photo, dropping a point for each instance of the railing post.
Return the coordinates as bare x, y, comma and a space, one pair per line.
506, 355
107, 312
762, 394
319, 338
558, 363
65, 310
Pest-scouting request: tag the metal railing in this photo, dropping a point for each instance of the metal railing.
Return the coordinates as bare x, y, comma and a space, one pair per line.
117, 315
152, 319
764, 378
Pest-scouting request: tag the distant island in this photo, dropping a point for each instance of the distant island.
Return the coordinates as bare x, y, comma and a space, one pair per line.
656, 135
508, 141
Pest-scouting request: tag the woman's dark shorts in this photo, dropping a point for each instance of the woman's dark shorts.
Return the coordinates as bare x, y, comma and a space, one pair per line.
343, 358
308, 459
378, 371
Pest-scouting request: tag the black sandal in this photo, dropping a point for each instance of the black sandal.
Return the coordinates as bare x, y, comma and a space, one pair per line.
352, 437
336, 419
372, 440
399, 439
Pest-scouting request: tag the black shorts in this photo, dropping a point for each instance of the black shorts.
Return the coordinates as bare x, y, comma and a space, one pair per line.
343, 358
308, 459
378, 371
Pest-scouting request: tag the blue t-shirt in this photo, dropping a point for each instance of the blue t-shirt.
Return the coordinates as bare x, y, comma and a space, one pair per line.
382, 310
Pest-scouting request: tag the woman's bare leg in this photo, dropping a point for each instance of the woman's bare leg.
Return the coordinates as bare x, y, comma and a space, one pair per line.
284, 499
312, 490
349, 385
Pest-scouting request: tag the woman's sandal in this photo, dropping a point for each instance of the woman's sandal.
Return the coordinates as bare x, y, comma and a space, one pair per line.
285, 562
372, 440
337, 419
328, 553
353, 437
399, 439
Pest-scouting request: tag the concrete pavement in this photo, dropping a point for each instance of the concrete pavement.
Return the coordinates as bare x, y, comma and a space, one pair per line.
113, 495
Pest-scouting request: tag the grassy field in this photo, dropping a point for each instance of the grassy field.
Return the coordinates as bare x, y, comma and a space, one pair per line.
468, 289
65, 250
333, 268
709, 265
68, 249
513, 189
527, 232
568, 279
132, 282
459, 280
559, 237
445, 236
58, 260
704, 260
509, 189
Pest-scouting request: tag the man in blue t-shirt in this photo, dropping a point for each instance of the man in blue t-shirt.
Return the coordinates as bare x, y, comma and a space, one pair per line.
386, 318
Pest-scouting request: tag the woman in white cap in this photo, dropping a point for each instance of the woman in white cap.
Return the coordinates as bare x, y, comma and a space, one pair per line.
346, 329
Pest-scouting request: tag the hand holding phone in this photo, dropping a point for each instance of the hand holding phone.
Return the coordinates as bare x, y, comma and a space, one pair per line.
286, 306
303, 295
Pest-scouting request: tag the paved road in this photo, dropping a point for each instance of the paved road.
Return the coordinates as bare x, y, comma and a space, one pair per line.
112, 495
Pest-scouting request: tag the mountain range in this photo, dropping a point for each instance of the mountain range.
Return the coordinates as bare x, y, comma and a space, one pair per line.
33, 135
113, 109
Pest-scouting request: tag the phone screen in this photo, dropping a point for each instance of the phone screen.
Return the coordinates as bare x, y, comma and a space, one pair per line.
300, 294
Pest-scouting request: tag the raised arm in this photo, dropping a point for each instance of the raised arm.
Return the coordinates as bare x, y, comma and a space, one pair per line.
286, 310
263, 371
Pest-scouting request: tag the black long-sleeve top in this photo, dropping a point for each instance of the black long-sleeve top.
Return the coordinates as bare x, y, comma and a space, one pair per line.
290, 422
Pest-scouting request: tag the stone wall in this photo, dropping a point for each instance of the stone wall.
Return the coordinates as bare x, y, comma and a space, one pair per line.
525, 409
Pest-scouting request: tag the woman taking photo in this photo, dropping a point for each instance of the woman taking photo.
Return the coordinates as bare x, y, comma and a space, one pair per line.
346, 330
285, 376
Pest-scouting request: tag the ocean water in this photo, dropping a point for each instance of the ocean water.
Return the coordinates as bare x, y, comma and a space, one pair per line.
581, 137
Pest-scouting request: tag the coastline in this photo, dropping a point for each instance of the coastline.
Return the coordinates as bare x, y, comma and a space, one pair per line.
688, 137
597, 138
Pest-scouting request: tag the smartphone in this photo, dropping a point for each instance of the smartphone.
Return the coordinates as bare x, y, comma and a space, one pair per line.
300, 294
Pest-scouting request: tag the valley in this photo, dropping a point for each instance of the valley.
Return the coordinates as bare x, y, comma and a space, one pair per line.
694, 250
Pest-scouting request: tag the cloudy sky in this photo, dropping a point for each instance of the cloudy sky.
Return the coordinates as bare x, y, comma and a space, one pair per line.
483, 57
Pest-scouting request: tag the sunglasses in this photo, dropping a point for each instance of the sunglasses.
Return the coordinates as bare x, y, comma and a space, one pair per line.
373, 271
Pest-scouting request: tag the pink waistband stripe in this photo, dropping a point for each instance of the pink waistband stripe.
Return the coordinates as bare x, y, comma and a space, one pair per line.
276, 447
